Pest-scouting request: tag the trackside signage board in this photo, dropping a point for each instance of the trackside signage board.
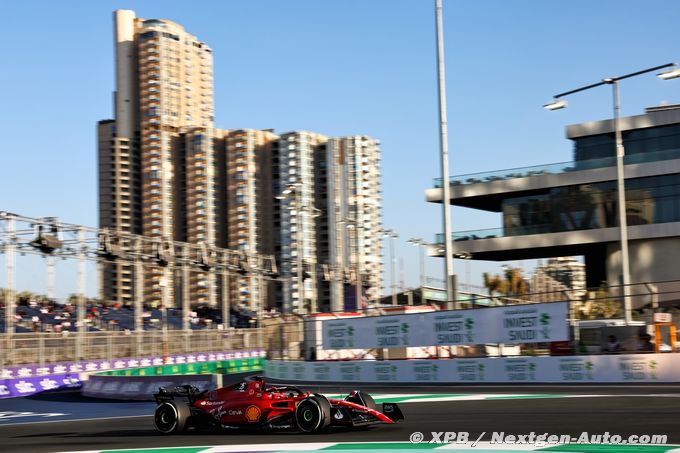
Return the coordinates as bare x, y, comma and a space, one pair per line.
534, 323
395, 331
557, 369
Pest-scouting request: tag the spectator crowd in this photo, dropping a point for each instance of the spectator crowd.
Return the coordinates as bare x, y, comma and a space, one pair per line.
46, 315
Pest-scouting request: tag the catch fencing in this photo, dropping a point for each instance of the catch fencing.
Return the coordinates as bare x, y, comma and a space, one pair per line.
46, 348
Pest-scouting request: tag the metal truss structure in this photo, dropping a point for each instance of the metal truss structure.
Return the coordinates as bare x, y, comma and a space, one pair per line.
53, 239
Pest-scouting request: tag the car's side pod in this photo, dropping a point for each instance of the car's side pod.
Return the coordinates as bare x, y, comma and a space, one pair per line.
392, 411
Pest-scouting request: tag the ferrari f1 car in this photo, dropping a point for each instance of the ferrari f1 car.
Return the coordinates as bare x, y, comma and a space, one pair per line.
254, 404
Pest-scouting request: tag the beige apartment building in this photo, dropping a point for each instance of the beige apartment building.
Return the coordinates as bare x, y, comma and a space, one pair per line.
329, 221
246, 218
298, 214
156, 157
310, 200
354, 223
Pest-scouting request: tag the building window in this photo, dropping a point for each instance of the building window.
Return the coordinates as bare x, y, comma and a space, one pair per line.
147, 35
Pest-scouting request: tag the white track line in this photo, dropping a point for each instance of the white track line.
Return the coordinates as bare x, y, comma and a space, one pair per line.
64, 420
270, 447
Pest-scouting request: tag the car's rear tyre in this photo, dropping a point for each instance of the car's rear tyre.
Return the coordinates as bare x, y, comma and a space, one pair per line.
171, 417
313, 414
363, 399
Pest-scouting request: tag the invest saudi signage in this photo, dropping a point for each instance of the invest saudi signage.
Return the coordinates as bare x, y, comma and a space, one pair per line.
531, 323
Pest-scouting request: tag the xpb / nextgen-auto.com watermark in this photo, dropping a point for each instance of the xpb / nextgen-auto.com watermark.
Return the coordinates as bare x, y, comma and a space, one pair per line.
534, 439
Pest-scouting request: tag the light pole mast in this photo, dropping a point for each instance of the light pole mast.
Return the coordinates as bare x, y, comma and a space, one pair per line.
451, 290
420, 243
294, 190
621, 199
10, 294
392, 235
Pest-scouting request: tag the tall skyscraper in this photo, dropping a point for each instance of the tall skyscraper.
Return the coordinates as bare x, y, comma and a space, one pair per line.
330, 220
352, 189
297, 215
167, 173
160, 138
246, 222
120, 202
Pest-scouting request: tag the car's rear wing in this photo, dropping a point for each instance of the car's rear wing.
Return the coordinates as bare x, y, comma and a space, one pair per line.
188, 392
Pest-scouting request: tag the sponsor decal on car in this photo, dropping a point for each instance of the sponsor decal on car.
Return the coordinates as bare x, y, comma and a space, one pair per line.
253, 413
218, 412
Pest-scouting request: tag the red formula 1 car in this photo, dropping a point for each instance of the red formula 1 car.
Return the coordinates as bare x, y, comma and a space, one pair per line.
254, 404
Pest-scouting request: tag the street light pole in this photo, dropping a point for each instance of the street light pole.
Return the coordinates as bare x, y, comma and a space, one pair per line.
294, 189
559, 103
299, 251
392, 235
621, 200
451, 287
10, 294
359, 281
420, 243
81, 329
393, 266
354, 225
226, 309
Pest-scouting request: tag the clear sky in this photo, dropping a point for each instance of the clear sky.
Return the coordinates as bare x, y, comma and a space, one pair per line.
339, 67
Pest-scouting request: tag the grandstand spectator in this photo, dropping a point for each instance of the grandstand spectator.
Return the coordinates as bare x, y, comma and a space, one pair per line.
613, 346
645, 344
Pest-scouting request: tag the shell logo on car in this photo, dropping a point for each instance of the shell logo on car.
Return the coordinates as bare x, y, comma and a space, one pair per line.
253, 413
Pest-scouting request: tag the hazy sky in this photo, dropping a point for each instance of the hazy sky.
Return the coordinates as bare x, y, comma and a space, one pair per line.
339, 67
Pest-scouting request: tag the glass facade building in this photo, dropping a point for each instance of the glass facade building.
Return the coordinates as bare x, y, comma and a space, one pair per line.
655, 199
570, 208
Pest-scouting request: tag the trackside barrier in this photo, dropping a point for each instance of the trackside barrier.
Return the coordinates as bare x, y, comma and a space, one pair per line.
586, 369
142, 383
220, 367
10, 388
30, 379
89, 366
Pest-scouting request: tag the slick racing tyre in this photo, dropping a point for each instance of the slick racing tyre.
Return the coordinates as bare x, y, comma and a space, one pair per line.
362, 398
171, 417
313, 414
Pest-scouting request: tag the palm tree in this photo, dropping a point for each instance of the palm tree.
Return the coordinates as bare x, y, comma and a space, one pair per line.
494, 284
512, 284
516, 284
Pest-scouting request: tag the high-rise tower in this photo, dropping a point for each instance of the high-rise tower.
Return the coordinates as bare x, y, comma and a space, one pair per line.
167, 173
297, 214
156, 156
244, 159
351, 170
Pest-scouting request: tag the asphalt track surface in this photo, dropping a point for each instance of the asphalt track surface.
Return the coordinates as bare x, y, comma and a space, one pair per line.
106, 425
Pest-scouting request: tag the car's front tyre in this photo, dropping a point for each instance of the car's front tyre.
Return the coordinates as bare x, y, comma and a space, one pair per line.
313, 414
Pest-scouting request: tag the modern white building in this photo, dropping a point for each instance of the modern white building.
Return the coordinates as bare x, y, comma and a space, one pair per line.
570, 208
